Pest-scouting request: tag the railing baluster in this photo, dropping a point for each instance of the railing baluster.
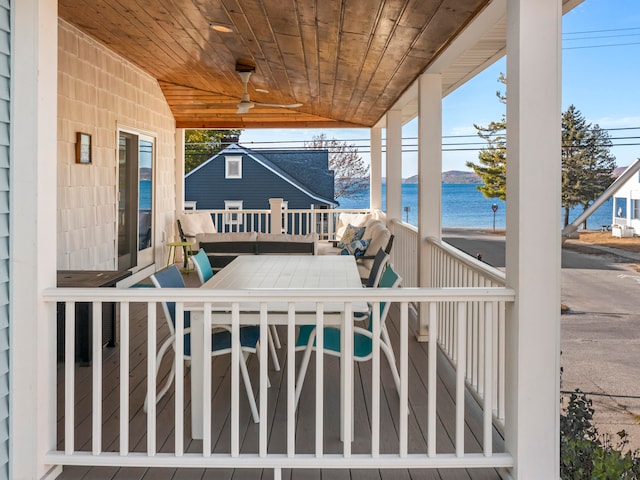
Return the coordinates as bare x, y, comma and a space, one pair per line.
235, 379
319, 447
264, 363
404, 378
488, 379
206, 381
347, 383
291, 380
96, 394
69, 377
375, 379
432, 380
124, 378
151, 378
460, 376
179, 380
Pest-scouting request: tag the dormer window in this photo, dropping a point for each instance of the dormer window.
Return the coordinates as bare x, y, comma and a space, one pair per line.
233, 166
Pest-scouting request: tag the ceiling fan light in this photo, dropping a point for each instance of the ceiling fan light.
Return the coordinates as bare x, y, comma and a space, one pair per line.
221, 28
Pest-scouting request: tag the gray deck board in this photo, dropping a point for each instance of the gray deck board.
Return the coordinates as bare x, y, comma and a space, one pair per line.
277, 401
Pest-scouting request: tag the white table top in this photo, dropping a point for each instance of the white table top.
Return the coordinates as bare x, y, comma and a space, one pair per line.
290, 271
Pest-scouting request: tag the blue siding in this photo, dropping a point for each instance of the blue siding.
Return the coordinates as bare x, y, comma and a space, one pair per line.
210, 189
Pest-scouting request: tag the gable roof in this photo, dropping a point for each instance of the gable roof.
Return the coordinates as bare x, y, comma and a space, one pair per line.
303, 169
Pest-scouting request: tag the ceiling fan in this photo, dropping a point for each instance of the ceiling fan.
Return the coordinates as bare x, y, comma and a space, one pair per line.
246, 104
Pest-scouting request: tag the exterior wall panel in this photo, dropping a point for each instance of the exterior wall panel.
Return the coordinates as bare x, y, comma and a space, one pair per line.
99, 92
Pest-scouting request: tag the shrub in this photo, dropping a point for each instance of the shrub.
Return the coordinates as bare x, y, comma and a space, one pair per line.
587, 455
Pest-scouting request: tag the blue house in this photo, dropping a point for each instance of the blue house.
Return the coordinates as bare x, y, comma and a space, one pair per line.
240, 178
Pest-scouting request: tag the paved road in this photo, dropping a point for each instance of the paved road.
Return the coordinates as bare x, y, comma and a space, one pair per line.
600, 332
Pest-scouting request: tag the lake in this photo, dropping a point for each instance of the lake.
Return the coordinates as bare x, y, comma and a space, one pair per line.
464, 206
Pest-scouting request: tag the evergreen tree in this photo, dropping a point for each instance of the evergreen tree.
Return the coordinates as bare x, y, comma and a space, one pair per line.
201, 145
492, 167
587, 164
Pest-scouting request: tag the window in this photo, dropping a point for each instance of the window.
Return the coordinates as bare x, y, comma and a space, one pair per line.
636, 209
233, 218
233, 167
620, 205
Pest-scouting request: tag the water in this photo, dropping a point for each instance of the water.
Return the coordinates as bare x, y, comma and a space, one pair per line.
464, 206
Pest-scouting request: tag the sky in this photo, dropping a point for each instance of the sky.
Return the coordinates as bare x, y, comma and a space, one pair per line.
600, 76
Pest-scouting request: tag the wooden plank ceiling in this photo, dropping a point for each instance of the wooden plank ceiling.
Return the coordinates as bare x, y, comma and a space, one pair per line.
346, 61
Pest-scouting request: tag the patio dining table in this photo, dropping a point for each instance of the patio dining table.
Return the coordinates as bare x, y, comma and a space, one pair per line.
272, 272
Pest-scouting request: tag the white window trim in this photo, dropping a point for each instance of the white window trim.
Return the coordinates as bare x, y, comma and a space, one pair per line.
230, 159
233, 218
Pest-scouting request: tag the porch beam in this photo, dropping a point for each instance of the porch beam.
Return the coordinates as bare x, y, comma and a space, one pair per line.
429, 180
533, 236
375, 171
394, 165
32, 226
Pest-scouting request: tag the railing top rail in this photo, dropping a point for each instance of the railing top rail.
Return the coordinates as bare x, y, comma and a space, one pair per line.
492, 273
269, 295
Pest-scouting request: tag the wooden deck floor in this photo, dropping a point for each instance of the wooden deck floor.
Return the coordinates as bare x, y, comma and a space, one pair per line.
277, 416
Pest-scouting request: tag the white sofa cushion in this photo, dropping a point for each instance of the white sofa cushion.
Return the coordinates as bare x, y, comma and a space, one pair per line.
196, 222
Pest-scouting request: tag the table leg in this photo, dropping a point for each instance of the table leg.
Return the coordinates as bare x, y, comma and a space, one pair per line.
197, 356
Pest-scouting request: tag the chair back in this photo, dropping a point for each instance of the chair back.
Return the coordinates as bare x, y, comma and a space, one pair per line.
170, 277
183, 237
389, 279
202, 265
379, 262
387, 249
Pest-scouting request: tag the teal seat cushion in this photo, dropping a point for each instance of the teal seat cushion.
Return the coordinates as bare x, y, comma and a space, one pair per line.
361, 343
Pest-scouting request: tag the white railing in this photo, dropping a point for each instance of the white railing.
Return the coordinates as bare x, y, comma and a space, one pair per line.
404, 254
453, 268
475, 339
294, 221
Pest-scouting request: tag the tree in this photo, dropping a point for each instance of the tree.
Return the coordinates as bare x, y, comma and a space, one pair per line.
350, 172
492, 167
201, 145
587, 164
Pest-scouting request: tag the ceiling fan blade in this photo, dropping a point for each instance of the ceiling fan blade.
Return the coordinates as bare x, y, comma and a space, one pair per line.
281, 105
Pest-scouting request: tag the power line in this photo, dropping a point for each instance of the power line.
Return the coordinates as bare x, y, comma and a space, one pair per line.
601, 46
602, 31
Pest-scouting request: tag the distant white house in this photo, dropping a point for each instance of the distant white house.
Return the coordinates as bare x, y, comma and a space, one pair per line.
626, 208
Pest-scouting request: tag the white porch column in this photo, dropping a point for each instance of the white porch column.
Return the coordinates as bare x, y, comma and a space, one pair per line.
533, 236
394, 165
429, 178
375, 170
33, 147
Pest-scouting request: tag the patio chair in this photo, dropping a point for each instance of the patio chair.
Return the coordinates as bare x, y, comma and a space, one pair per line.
170, 277
205, 272
202, 266
379, 263
362, 345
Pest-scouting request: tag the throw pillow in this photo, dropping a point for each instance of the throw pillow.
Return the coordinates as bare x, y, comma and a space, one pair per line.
351, 234
356, 248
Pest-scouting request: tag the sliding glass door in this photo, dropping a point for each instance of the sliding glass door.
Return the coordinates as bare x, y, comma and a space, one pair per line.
136, 155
